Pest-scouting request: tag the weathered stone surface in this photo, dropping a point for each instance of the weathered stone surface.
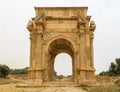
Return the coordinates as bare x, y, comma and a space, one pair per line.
56, 30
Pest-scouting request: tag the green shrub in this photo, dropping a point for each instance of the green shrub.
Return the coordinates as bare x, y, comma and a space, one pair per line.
4, 71
19, 71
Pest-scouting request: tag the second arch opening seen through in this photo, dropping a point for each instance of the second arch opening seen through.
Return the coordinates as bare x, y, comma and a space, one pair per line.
63, 65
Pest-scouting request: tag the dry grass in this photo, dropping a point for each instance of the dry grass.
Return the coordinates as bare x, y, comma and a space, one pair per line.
8, 81
104, 88
7, 85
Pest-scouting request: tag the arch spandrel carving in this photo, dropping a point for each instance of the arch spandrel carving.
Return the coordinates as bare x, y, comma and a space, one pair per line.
52, 40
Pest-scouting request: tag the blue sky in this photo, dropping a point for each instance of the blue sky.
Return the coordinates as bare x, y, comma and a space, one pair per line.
14, 37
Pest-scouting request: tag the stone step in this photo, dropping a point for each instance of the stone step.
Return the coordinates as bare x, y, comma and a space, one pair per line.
60, 84
51, 84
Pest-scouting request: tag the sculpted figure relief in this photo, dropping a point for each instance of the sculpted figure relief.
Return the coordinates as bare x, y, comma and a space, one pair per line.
92, 24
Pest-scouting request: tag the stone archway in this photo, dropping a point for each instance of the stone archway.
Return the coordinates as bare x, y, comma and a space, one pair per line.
54, 30
59, 45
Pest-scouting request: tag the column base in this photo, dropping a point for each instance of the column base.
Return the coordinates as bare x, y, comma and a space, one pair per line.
35, 82
87, 82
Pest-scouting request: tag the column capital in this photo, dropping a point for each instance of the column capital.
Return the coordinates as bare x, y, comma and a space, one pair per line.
76, 53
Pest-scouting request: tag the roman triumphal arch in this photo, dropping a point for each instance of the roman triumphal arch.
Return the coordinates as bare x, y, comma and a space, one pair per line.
56, 30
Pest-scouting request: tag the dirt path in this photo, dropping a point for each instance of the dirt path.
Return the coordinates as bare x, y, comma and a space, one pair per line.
13, 88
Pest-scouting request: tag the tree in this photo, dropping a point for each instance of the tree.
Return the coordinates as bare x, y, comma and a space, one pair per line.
114, 69
117, 66
104, 73
4, 70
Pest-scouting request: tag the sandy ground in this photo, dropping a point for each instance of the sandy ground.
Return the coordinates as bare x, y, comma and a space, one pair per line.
13, 88
11, 85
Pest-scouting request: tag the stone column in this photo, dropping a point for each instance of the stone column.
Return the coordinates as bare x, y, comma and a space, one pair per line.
88, 49
36, 68
82, 49
31, 51
32, 55
43, 55
39, 49
45, 62
92, 51
39, 67
82, 68
76, 66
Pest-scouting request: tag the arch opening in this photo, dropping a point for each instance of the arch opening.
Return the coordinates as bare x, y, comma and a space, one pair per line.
63, 65
60, 47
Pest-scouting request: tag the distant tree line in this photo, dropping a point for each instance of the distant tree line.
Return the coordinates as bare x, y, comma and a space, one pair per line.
5, 71
114, 69
19, 71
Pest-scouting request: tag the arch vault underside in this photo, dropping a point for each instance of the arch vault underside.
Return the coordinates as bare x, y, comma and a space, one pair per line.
61, 30
58, 46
